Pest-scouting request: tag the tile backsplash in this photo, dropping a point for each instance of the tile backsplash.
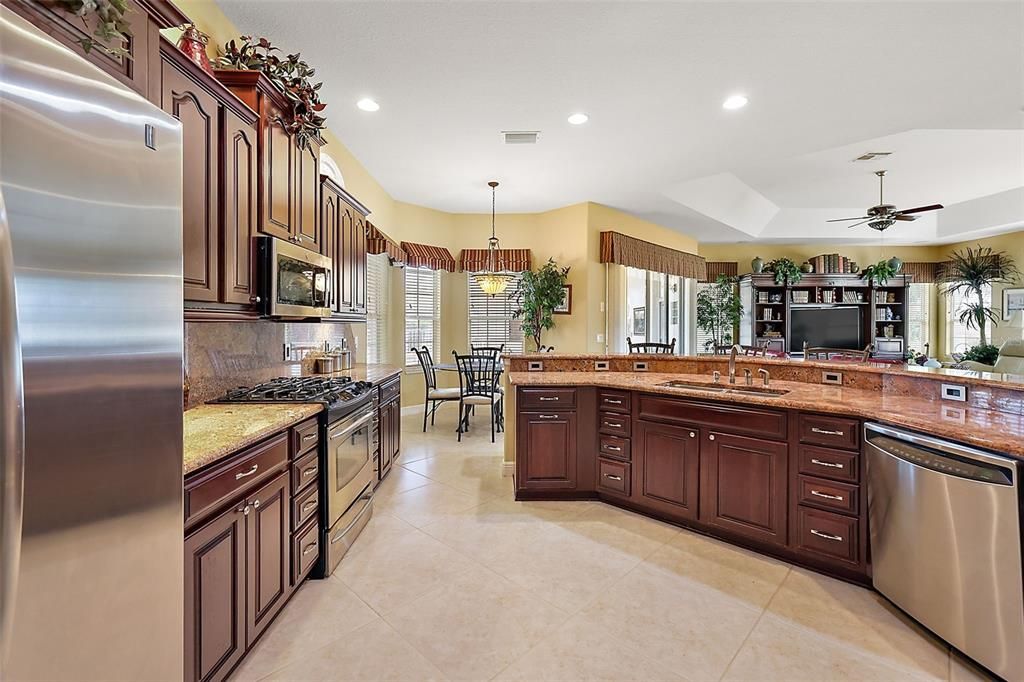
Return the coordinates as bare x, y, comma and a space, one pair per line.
223, 355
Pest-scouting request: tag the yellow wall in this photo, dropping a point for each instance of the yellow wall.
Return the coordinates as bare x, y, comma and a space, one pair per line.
745, 252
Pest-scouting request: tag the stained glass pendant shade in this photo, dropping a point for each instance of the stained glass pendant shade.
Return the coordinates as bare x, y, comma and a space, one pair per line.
492, 281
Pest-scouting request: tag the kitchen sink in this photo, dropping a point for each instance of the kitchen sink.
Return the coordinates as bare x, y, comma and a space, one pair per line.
726, 388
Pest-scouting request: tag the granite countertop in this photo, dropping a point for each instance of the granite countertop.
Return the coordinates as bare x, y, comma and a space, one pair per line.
991, 429
213, 432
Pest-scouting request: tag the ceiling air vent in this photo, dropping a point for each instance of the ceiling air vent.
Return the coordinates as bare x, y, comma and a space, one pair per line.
520, 136
871, 156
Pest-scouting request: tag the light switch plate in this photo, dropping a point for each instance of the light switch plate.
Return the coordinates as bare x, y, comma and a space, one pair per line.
600, 365
639, 366
956, 392
535, 366
835, 378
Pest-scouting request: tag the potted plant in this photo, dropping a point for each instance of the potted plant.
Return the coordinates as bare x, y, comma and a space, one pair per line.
290, 74
971, 272
539, 293
719, 310
111, 25
785, 270
879, 272
984, 353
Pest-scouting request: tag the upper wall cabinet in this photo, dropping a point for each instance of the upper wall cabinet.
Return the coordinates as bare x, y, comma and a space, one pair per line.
343, 220
219, 163
288, 176
139, 69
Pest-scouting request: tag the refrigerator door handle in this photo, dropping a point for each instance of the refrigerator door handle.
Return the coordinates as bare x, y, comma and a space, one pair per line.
12, 445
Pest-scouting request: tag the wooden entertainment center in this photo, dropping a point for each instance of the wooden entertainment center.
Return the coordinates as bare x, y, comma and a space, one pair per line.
768, 308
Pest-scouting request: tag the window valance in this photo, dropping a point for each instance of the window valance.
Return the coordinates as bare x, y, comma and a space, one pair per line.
378, 242
923, 273
508, 260
715, 269
427, 256
624, 250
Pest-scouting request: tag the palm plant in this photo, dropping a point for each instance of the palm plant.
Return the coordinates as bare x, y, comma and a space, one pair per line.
969, 272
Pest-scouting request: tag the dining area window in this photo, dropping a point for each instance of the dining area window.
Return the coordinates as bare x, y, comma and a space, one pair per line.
491, 320
422, 312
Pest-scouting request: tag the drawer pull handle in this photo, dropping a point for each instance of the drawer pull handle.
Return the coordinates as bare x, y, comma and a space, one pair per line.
834, 465
614, 425
239, 476
826, 432
613, 477
827, 536
818, 493
547, 416
311, 436
309, 548
309, 505
614, 448
548, 398
309, 471
610, 401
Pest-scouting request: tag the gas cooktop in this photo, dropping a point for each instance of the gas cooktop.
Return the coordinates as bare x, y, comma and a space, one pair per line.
337, 392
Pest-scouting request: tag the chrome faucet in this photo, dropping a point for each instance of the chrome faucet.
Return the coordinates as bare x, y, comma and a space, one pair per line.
748, 376
764, 375
732, 362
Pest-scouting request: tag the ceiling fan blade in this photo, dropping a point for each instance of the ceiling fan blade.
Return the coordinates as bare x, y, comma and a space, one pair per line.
860, 223
897, 216
842, 220
919, 209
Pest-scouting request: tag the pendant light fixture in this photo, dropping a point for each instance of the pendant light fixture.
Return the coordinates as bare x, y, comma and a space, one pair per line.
491, 281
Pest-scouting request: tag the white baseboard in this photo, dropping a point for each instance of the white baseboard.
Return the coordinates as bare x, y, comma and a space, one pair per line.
412, 409
508, 469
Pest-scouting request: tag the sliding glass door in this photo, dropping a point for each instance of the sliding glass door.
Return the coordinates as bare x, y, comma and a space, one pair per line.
655, 307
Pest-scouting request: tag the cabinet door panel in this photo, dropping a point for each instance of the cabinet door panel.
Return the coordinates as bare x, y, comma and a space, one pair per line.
743, 486
546, 457
358, 264
268, 554
238, 209
198, 112
329, 237
277, 177
215, 597
667, 464
343, 264
305, 225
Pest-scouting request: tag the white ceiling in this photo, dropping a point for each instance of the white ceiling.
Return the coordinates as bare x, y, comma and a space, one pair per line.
940, 84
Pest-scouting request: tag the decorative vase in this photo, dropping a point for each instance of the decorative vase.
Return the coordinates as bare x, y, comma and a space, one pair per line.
806, 268
889, 331
854, 268
932, 362
896, 264
757, 265
193, 44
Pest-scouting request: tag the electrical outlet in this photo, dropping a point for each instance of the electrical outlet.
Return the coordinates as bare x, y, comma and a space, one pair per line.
535, 366
639, 366
601, 365
601, 307
955, 392
600, 338
835, 378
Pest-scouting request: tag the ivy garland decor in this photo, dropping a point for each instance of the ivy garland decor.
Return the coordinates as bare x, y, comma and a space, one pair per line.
879, 273
290, 74
110, 24
784, 270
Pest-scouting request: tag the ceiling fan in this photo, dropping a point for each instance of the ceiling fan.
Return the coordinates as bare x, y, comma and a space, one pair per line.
882, 216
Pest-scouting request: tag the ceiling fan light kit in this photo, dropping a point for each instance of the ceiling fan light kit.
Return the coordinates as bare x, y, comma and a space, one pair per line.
883, 216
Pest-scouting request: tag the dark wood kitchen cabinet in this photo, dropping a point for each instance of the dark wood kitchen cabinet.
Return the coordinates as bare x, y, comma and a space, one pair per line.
390, 426
343, 220
269, 554
546, 450
666, 467
743, 485
238, 210
288, 174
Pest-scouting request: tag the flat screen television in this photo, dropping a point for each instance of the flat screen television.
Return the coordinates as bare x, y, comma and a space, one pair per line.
829, 327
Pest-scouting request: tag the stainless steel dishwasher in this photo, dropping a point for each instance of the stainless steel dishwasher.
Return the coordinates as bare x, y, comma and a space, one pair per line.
946, 544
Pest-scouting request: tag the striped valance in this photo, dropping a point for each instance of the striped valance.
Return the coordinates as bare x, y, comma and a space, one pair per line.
378, 242
506, 260
636, 253
427, 256
923, 273
718, 268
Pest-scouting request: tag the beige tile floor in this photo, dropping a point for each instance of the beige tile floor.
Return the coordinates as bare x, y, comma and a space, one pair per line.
452, 579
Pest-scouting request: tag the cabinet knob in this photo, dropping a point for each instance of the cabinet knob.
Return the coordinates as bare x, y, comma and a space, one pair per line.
692, 434
256, 504
711, 437
255, 299
243, 509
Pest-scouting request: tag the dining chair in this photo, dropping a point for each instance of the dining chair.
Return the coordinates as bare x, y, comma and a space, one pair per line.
434, 397
478, 385
755, 351
477, 350
836, 354
651, 347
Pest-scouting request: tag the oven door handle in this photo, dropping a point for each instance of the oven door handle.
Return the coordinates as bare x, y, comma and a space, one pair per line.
352, 427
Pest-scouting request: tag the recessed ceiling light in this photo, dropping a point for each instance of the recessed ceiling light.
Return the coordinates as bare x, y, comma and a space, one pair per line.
578, 119
367, 104
735, 102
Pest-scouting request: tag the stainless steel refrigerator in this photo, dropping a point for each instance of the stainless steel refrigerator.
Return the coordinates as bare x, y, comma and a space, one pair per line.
90, 370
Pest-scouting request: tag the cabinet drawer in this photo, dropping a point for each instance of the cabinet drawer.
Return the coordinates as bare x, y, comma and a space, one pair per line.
835, 464
827, 534
547, 398
613, 446
614, 401
835, 432
753, 421
305, 471
613, 477
305, 550
613, 424
236, 477
305, 436
304, 506
390, 390
840, 497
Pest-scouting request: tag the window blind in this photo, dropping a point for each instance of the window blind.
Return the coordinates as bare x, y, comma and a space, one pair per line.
919, 316
377, 295
422, 312
490, 317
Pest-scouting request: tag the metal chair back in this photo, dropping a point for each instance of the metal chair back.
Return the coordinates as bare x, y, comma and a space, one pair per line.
651, 347
427, 363
478, 375
839, 354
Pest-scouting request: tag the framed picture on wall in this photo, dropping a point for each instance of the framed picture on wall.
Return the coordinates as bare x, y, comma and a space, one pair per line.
566, 307
640, 321
1013, 303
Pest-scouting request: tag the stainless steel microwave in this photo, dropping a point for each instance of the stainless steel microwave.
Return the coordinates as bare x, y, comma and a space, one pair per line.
294, 281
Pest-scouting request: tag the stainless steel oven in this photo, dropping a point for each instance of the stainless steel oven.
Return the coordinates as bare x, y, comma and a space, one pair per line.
349, 481
294, 281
